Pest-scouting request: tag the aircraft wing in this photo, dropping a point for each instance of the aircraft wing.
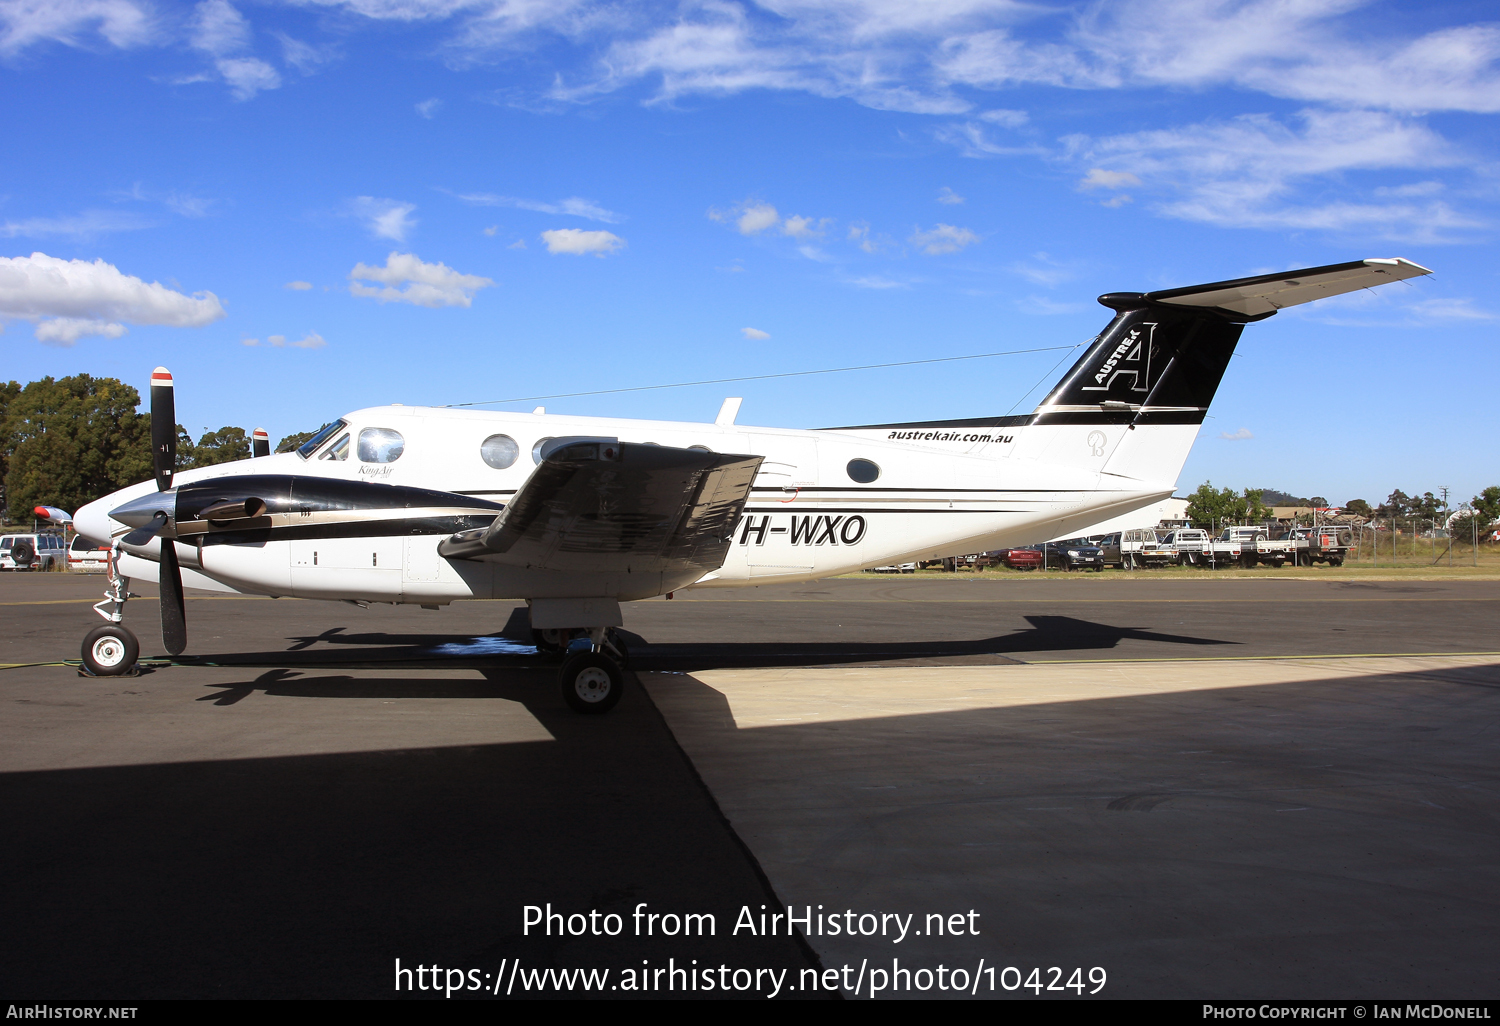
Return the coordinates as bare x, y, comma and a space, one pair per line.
1264, 294
598, 505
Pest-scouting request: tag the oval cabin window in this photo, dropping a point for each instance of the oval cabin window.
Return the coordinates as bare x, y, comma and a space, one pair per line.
863, 471
499, 451
536, 450
380, 445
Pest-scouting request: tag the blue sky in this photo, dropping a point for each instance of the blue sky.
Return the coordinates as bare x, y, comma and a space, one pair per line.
303, 208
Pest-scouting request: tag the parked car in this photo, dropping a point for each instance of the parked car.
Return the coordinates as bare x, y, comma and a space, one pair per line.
1137, 547
1191, 544
86, 556
894, 568
31, 552
1021, 559
1073, 554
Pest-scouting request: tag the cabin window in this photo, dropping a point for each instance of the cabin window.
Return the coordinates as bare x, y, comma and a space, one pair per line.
536, 450
863, 471
380, 445
338, 450
499, 451
307, 448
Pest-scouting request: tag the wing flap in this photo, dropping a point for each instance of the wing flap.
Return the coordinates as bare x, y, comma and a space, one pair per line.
1267, 293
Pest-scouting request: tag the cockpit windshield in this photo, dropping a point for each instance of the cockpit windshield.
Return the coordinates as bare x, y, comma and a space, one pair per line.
307, 448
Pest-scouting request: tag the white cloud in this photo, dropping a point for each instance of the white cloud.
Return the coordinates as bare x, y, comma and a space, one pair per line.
298, 286
422, 284
757, 219
74, 298
120, 23
754, 333
859, 233
385, 218
1005, 118
1098, 178
87, 225
875, 281
803, 227
1450, 309
518, 244
305, 57
427, 108
948, 196
578, 242
1043, 270
247, 76
312, 340
64, 331
1236, 436
218, 29
573, 206
1245, 172
944, 238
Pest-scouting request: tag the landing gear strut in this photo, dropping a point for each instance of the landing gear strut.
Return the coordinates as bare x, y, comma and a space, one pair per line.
592, 675
111, 650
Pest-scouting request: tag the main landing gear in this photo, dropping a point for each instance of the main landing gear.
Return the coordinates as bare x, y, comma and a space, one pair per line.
592, 675
111, 650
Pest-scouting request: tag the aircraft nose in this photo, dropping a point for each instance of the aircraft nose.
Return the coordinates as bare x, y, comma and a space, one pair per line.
92, 521
139, 512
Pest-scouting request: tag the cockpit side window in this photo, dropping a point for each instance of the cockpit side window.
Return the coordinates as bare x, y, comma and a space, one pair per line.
338, 450
380, 445
307, 448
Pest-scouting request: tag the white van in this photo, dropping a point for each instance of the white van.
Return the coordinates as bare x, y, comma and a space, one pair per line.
32, 552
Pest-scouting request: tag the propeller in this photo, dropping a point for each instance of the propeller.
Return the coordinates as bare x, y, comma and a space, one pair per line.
163, 428
163, 464
260, 443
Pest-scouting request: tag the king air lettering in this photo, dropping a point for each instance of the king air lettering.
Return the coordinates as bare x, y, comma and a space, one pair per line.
804, 530
1136, 349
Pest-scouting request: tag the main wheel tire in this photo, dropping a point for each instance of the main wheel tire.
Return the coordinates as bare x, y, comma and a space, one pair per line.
110, 650
551, 642
591, 683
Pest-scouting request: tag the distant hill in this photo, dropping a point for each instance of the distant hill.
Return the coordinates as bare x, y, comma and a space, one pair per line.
1275, 497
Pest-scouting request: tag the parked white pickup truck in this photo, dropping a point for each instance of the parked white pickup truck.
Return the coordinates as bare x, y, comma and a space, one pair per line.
1252, 545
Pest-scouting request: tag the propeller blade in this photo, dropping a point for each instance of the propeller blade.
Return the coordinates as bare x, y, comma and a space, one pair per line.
260, 443
142, 535
163, 428
173, 614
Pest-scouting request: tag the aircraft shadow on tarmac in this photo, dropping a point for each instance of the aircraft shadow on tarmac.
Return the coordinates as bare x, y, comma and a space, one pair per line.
511, 648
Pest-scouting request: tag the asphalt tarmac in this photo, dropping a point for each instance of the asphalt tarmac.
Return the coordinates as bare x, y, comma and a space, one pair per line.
326, 789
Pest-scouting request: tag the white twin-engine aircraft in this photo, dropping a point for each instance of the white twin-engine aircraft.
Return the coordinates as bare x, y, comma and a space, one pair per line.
575, 515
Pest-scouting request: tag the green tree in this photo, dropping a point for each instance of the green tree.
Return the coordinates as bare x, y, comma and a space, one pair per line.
72, 440
8, 391
1209, 508
222, 446
1487, 505
1359, 507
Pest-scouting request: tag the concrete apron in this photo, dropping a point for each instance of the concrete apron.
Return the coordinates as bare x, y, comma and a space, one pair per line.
1266, 828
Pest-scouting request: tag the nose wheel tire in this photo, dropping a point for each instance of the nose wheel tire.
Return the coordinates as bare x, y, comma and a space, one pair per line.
110, 650
591, 682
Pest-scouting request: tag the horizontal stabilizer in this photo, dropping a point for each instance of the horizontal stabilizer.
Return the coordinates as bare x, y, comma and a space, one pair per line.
1266, 293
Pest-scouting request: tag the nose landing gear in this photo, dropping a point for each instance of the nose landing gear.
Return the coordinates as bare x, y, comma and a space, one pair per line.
111, 650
